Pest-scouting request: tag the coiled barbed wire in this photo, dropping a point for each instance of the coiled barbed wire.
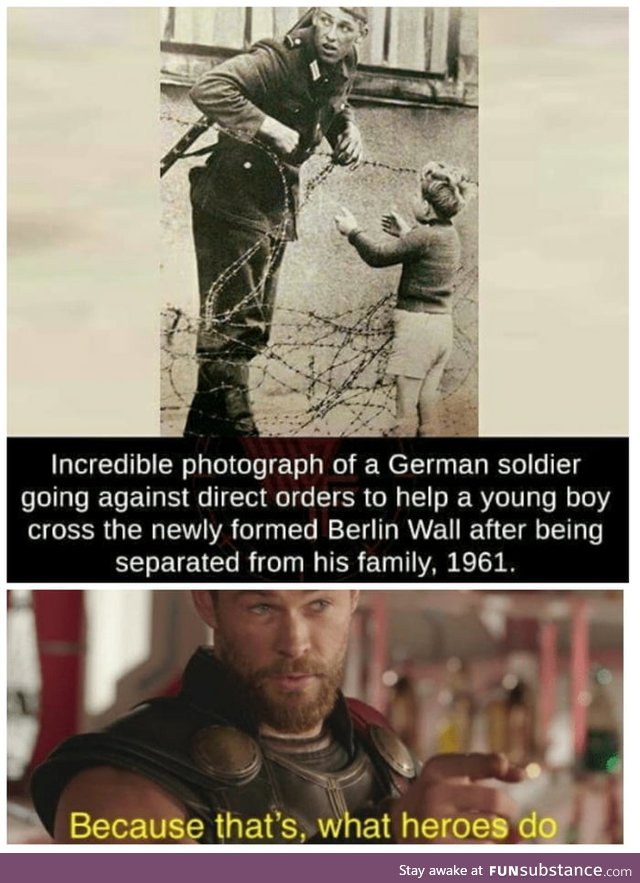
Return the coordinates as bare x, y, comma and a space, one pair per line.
320, 374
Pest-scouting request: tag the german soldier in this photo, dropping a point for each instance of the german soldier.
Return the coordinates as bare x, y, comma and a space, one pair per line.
273, 105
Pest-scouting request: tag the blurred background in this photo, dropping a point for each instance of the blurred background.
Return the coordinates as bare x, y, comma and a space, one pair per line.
535, 674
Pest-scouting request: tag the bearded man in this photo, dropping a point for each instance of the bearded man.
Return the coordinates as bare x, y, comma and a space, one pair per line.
260, 744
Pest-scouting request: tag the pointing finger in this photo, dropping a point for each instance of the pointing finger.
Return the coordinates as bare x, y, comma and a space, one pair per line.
472, 766
480, 799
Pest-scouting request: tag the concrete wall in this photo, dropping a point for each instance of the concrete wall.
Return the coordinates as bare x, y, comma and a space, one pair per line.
324, 373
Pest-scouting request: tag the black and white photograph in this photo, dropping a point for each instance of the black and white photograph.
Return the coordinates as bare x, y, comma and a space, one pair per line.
319, 255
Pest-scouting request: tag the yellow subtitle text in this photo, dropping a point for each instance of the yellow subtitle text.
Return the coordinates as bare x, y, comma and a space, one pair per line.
83, 826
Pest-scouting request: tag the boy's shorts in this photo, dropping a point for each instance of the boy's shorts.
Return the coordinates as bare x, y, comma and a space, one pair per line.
422, 342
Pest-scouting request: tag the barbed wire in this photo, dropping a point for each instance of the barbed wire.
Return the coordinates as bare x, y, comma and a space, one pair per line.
320, 374
371, 163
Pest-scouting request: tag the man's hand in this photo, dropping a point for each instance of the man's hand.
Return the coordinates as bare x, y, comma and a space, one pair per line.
448, 788
349, 150
284, 139
394, 224
346, 222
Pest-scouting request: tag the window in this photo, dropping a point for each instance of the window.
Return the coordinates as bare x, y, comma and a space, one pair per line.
406, 46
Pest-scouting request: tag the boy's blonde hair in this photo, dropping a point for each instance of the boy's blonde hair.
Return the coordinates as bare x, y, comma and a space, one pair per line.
445, 188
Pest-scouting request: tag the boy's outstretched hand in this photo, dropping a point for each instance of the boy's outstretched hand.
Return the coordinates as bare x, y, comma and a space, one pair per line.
346, 222
394, 224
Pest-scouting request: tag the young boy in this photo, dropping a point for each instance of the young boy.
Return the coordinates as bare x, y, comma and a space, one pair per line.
423, 327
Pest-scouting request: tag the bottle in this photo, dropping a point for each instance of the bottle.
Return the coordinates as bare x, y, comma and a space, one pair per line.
602, 749
454, 733
403, 712
520, 724
496, 720
510, 720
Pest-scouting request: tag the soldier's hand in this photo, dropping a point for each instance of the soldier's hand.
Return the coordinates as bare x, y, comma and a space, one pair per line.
394, 224
454, 786
346, 222
349, 150
284, 139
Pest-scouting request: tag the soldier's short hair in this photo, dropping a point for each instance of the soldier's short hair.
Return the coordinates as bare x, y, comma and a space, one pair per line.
445, 188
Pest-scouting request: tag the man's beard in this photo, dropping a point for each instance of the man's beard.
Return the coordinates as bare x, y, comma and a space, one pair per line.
290, 712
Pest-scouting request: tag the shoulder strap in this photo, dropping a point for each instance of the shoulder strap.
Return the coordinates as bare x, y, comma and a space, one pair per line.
369, 724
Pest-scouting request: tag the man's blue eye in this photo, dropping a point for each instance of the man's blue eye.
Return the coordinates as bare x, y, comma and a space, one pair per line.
321, 604
260, 608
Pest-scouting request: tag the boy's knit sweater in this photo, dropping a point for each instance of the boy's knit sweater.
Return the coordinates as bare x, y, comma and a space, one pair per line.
430, 255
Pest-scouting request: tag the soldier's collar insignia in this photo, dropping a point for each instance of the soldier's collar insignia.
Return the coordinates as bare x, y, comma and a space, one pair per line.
314, 67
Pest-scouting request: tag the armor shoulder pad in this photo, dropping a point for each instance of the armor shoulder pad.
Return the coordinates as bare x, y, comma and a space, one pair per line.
374, 729
227, 754
393, 751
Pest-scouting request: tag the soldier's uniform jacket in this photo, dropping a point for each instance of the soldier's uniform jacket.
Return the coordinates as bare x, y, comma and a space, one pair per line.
282, 79
205, 750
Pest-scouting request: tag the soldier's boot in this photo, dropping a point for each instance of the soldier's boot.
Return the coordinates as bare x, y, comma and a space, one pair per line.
222, 405
208, 413
239, 412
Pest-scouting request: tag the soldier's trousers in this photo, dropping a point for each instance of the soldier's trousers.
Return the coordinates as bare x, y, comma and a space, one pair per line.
237, 277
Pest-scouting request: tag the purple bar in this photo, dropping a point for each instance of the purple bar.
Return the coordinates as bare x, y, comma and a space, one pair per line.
311, 867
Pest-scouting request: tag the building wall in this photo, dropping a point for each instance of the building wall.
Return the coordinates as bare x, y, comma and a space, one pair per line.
438, 40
